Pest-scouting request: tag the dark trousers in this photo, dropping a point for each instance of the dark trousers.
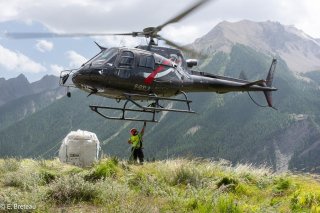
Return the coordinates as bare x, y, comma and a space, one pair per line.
137, 153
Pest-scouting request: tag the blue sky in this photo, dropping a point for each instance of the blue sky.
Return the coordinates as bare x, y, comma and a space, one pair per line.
38, 57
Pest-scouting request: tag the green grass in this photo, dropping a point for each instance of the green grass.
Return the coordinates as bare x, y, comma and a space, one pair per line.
178, 185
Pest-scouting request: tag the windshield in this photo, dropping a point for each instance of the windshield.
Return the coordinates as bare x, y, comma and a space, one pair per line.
106, 56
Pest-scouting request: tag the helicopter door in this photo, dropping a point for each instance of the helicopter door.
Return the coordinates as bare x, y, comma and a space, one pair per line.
125, 64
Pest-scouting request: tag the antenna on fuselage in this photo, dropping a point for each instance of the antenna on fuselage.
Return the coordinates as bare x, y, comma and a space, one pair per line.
101, 47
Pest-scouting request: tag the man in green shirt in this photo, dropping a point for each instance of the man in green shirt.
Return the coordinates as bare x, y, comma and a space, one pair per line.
136, 144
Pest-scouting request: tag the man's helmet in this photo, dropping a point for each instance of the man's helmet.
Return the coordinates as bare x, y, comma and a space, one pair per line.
133, 131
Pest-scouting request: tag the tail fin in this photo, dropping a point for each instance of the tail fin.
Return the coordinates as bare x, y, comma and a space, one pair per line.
268, 94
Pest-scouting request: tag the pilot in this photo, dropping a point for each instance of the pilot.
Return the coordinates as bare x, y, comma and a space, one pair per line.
176, 59
136, 144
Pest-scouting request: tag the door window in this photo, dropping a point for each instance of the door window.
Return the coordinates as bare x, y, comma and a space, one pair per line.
126, 59
146, 61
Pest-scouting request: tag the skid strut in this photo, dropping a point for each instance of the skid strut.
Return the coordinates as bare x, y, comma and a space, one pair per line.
153, 108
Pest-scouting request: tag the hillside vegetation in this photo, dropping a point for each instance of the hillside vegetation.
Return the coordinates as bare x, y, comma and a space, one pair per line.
179, 185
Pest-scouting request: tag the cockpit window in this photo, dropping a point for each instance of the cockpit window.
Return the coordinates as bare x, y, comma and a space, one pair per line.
106, 56
146, 61
126, 59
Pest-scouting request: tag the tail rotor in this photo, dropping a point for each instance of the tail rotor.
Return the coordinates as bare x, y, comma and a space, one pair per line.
269, 80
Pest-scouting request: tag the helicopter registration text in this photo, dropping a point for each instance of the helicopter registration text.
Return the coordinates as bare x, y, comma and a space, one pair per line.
142, 87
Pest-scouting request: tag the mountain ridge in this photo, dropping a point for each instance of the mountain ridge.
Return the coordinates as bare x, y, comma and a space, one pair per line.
47, 82
300, 51
14, 88
19, 87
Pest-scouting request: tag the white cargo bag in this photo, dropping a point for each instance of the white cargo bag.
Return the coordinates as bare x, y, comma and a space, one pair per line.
80, 148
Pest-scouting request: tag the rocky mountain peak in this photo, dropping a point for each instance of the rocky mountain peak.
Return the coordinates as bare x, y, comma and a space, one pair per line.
14, 88
47, 82
19, 86
20, 79
300, 51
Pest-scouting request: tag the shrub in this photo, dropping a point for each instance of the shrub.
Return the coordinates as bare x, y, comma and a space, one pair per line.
228, 183
74, 171
42, 163
26, 181
10, 165
301, 200
72, 189
185, 176
115, 160
136, 179
13, 180
192, 204
47, 176
147, 184
283, 184
102, 170
226, 204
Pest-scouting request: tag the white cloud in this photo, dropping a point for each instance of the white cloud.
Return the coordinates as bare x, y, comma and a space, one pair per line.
183, 34
56, 69
310, 23
75, 59
18, 62
44, 46
8, 11
134, 15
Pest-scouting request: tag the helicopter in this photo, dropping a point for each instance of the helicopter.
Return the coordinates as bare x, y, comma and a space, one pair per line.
150, 73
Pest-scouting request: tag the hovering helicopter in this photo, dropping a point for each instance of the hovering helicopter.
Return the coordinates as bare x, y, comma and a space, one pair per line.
149, 73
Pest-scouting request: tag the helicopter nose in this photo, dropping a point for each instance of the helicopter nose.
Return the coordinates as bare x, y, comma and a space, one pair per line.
75, 77
80, 77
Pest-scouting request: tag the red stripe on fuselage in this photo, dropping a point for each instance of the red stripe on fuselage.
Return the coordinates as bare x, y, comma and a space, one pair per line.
160, 68
151, 77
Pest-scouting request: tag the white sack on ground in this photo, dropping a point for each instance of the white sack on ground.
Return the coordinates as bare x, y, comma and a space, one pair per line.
80, 148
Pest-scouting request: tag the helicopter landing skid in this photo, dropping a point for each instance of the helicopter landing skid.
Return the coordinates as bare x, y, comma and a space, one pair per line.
152, 108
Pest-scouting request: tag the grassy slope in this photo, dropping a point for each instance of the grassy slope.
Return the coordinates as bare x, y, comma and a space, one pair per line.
164, 186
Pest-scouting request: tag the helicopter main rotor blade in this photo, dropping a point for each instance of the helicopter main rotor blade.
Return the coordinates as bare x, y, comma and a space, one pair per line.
184, 49
183, 14
151, 32
34, 35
